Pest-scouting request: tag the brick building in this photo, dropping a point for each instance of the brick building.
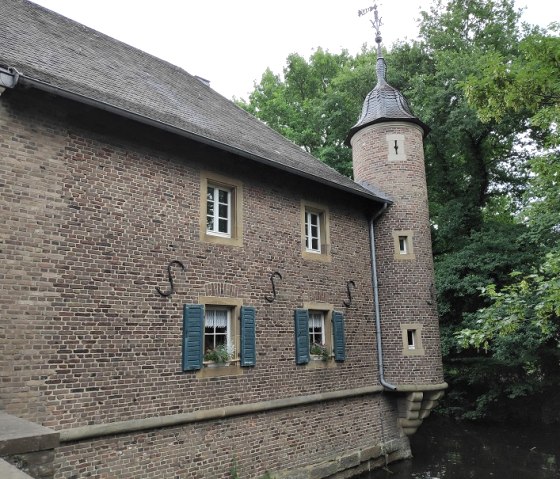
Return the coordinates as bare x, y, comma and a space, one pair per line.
183, 290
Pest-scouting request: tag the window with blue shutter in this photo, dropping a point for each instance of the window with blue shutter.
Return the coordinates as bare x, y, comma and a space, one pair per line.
301, 328
248, 346
193, 336
338, 336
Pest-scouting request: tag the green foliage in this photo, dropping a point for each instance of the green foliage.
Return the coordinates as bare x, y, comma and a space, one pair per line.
308, 105
219, 354
320, 350
489, 92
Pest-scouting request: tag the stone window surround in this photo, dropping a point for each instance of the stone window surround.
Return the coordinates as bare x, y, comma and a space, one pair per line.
327, 310
418, 349
236, 228
234, 304
323, 212
397, 235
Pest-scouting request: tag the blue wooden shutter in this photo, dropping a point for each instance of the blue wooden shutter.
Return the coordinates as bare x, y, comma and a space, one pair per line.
338, 335
248, 346
301, 328
193, 336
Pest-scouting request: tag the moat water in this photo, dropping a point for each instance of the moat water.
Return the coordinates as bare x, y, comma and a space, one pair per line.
445, 449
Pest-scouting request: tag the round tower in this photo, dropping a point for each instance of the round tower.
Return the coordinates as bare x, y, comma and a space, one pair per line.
387, 153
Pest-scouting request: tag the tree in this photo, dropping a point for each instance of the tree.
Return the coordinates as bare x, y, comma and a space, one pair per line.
308, 106
486, 221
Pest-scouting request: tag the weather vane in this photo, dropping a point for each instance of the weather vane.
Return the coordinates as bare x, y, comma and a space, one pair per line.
376, 22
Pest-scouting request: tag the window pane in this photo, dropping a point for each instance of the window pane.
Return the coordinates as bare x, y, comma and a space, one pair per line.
223, 226
223, 211
223, 196
210, 223
315, 244
210, 194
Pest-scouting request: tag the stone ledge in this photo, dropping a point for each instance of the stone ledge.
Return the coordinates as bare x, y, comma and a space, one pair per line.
19, 436
7, 471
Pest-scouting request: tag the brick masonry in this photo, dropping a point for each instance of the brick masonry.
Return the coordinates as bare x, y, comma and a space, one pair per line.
406, 287
94, 207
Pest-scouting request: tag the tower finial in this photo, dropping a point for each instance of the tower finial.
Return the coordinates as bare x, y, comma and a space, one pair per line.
381, 68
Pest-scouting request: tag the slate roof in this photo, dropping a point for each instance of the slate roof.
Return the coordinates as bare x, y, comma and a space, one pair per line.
384, 103
55, 53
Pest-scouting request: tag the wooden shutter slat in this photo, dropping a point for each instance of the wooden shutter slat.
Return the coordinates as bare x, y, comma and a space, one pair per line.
339, 339
193, 336
301, 329
248, 342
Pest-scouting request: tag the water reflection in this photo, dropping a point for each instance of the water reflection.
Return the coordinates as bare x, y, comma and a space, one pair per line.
444, 449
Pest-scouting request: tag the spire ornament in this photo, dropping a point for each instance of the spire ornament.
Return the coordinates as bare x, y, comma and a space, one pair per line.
381, 67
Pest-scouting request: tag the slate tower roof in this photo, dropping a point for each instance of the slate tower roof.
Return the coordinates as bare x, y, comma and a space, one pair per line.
384, 103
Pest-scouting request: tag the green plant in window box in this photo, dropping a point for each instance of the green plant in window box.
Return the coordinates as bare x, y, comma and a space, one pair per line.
320, 351
219, 354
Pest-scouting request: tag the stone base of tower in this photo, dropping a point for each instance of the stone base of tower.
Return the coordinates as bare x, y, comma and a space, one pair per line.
416, 404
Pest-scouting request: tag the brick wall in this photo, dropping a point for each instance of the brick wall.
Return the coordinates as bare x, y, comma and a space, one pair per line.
94, 209
406, 286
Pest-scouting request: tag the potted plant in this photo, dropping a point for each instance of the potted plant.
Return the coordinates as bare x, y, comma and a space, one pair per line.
319, 351
219, 356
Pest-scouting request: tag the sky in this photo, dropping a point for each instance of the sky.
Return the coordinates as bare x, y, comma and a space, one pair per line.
231, 43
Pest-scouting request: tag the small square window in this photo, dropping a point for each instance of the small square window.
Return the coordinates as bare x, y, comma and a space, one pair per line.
404, 246
412, 339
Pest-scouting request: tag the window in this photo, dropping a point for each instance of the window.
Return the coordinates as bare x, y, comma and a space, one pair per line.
412, 339
221, 211
404, 248
315, 234
316, 328
219, 330
403, 244
319, 332
218, 211
312, 232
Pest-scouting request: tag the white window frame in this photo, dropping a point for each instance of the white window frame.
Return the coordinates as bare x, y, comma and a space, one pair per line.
215, 230
313, 316
309, 237
229, 344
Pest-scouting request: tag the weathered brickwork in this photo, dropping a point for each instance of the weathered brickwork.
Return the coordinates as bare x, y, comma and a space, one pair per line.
94, 208
406, 286
257, 443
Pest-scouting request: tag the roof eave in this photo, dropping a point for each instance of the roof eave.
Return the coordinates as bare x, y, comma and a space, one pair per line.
358, 127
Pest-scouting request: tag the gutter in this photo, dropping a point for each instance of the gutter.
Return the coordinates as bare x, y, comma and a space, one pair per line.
377, 309
12, 77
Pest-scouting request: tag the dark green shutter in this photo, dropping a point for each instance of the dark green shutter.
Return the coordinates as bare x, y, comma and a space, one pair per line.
301, 328
193, 336
248, 349
338, 335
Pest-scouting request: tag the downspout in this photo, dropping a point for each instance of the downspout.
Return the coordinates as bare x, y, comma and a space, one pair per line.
377, 311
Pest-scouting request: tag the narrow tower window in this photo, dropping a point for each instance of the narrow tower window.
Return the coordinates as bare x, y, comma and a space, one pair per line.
403, 244
411, 338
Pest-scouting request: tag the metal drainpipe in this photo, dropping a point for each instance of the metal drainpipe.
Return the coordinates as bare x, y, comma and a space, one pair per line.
382, 380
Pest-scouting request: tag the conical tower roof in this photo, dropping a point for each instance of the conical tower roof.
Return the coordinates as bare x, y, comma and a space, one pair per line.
384, 103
